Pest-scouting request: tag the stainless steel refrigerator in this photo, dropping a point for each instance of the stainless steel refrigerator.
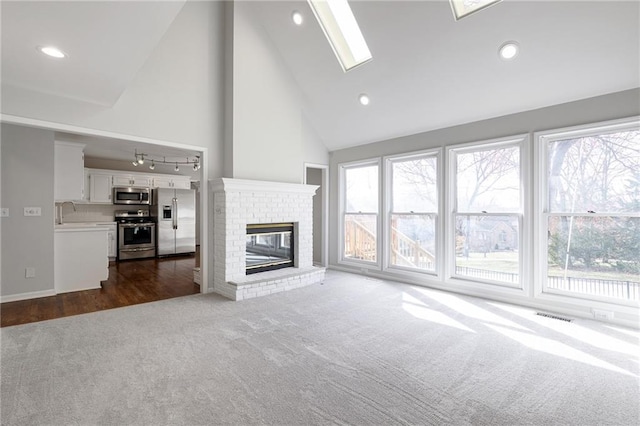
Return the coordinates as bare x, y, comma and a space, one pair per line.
175, 213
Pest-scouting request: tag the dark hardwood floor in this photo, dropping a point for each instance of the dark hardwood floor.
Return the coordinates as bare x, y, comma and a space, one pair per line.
130, 282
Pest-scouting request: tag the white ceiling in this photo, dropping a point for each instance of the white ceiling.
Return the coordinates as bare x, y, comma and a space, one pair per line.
428, 71
98, 69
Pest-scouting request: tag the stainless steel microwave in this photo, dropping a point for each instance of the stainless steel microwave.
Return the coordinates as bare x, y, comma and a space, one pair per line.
131, 195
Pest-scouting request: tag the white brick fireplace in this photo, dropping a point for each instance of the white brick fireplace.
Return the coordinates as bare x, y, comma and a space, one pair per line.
239, 202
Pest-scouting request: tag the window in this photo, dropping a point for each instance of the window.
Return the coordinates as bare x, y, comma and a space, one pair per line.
592, 215
413, 213
360, 212
487, 212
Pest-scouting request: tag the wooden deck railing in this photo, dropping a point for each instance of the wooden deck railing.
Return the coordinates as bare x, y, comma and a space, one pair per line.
408, 252
359, 241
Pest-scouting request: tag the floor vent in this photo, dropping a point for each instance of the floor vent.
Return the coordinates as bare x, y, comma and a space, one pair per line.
542, 314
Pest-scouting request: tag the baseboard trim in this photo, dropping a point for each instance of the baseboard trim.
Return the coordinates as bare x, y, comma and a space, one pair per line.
26, 296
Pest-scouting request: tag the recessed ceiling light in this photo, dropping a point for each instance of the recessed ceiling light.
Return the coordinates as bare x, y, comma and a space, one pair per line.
297, 17
52, 51
364, 99
509, 50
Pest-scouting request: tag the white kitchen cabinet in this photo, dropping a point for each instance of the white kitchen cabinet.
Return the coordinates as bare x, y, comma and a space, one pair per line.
100, 187
176, 182
131, 180
80, 258
68, 171
112, 242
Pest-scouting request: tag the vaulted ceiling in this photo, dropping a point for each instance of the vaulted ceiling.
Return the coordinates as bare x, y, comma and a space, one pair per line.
428, 70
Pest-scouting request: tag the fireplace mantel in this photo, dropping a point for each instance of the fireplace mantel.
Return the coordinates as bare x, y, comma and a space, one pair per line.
246, 185
239, 202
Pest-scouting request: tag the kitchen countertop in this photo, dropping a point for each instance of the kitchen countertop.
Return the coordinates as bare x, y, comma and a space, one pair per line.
76, 226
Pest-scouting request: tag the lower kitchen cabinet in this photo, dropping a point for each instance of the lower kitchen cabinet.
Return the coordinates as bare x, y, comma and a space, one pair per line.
112, 239
80, 258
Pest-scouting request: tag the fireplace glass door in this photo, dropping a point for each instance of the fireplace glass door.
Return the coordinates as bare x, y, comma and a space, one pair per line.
269, 247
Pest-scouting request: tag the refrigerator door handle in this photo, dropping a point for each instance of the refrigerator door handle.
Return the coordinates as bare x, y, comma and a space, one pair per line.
174, 213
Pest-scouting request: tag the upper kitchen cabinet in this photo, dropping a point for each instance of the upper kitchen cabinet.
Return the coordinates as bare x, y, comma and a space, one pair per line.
68, 171
176, 182
131, 180
99, 186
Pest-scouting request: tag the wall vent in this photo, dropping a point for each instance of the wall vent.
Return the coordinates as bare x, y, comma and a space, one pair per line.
542, 314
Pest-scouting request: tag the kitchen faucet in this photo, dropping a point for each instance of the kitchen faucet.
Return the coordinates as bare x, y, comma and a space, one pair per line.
59, 210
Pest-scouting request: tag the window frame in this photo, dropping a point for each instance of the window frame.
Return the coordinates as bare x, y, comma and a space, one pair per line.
388, 212
363, 264
541, 206
522, 142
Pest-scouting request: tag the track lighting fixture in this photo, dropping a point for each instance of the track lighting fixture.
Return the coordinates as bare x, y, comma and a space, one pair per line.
139, 159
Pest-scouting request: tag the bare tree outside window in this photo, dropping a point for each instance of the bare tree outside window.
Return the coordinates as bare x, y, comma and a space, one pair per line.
488, 202
594, 214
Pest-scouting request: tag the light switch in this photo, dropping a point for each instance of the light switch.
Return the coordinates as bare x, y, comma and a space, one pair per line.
30, 272
4, 212
33, 211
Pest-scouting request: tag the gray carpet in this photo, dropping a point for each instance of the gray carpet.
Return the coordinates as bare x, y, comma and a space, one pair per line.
350, 351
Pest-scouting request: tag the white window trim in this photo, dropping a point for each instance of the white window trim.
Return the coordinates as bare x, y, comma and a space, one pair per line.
362, 264
541, 209
388, 201
524, 215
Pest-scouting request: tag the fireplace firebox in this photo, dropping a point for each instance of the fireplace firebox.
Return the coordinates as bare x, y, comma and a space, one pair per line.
269, 246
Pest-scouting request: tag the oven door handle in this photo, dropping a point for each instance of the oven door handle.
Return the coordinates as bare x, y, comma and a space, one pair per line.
136, 225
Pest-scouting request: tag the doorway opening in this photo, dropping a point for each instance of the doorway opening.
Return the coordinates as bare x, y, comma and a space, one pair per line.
318, 174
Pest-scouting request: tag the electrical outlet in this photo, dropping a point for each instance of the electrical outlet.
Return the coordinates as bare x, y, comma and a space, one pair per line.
30, 272
602, 315
4, 212
32, 211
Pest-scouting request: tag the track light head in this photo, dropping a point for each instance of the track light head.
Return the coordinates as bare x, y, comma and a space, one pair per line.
152, 166
177, 169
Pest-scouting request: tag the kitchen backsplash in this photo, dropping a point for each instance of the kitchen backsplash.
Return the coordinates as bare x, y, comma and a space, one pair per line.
89, 212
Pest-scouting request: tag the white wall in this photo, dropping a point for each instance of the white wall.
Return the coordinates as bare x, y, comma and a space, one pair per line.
314, 150
27, 181
271, 141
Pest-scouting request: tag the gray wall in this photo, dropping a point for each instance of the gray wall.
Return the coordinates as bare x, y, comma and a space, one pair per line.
314, 177
601, 108
27, 181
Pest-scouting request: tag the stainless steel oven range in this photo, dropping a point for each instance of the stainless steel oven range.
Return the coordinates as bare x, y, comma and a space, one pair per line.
136, 234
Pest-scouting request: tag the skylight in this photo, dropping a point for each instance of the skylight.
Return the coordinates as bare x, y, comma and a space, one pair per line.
342, 31
462, 8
